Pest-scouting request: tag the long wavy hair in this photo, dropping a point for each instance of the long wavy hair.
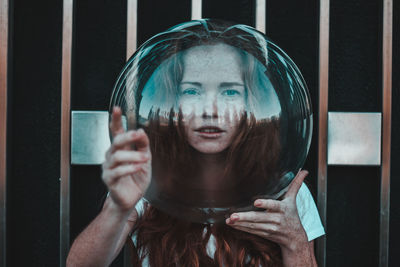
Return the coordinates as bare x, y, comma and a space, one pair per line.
252, 162
171, 242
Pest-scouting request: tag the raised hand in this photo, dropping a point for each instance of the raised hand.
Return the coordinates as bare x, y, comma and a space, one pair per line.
127, 168
279, 222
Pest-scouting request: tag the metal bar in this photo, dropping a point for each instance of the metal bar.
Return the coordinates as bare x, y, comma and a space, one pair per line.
261, 15
197, 9
386, 131
131, 45
323, 125
131, 30
65, 130
3, 125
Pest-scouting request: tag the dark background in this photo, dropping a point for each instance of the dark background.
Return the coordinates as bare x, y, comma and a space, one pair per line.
34, 107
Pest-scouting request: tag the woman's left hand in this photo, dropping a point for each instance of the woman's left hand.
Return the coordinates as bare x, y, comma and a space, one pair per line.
279, 222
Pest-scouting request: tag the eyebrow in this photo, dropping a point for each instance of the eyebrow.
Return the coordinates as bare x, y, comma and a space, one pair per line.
223, 84
228, 84
192, 83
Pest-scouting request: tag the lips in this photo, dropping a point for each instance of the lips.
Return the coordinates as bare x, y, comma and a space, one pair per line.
209, 131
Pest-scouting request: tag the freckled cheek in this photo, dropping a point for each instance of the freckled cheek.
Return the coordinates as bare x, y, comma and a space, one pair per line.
190, 107
232, 112
189, 124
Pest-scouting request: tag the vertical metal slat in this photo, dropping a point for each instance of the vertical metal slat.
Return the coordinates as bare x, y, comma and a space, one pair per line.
131, 46
196, 9
386, 132
323, 124
65, 130
131, 28
261, 15
3, 124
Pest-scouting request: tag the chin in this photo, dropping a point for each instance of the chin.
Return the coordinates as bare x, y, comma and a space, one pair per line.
210, 149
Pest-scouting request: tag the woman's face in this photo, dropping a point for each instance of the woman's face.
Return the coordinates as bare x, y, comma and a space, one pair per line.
212, 96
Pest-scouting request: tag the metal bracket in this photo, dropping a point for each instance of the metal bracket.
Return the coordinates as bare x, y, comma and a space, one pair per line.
90, 137
354, 138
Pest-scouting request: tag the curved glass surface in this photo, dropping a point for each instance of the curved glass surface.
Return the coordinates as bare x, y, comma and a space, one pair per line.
227, 112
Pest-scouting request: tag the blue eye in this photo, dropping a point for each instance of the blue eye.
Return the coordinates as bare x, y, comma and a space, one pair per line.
231, 92
190, 92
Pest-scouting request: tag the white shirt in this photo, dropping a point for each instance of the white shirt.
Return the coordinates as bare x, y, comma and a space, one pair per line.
306, 208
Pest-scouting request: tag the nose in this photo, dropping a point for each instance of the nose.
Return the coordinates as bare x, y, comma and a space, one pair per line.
210, 107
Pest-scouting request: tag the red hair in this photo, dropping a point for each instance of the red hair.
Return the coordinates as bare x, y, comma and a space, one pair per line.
167, 241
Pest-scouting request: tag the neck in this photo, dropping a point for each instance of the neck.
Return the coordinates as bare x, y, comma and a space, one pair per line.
211, 159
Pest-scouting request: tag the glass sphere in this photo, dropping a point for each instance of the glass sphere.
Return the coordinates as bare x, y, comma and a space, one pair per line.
227, 112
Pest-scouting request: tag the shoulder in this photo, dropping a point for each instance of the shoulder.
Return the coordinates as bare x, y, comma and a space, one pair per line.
308, 213
304, 193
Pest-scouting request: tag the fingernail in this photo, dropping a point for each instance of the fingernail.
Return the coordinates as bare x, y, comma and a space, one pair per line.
235, 217
257, 203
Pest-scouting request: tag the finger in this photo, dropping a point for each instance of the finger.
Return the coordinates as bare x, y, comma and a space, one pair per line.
116, 125
296, 184
124, 141
262, 234
141, 141
270, 228
269, 204
111, 176
125, 156
255, 216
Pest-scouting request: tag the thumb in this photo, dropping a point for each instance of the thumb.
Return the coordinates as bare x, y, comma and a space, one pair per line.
296, 184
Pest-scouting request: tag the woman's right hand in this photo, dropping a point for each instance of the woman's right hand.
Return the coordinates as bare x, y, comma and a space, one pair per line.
126, 171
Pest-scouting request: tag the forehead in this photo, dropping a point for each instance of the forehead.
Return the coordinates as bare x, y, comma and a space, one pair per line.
212, 62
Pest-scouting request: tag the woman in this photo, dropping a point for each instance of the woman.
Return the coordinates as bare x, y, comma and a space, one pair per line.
212, 106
